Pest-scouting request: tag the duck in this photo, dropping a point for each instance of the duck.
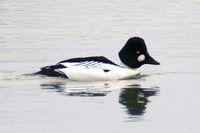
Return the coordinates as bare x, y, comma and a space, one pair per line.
133, 55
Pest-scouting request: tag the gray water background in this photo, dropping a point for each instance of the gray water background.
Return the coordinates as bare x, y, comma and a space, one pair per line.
36, 33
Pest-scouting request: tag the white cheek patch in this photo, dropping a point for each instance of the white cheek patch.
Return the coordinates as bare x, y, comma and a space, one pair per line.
141, 58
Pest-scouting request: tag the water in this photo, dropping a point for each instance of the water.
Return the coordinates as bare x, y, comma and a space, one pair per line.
39, 33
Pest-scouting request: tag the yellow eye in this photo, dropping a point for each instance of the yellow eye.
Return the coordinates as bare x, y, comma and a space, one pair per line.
137, 52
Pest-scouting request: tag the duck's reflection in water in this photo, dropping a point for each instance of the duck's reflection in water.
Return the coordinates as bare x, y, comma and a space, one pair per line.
135, 99
72, 88
132, 95
82, 89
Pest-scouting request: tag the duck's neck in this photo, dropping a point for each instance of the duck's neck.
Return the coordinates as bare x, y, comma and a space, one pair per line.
125, 66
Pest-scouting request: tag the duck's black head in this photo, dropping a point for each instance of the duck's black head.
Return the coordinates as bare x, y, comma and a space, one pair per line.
134, 53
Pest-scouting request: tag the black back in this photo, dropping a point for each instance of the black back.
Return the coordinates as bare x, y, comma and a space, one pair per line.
92, 58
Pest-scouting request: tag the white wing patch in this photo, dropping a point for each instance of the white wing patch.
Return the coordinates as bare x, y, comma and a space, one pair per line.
85, 64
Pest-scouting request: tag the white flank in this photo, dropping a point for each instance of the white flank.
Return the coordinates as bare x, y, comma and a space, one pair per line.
94, 71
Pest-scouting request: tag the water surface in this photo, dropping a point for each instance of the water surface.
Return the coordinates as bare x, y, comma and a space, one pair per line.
39, 33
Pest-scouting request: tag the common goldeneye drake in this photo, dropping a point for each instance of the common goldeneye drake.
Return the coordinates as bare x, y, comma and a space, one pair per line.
98, 68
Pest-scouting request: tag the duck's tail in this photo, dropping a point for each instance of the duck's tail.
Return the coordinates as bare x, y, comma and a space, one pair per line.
52, 71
